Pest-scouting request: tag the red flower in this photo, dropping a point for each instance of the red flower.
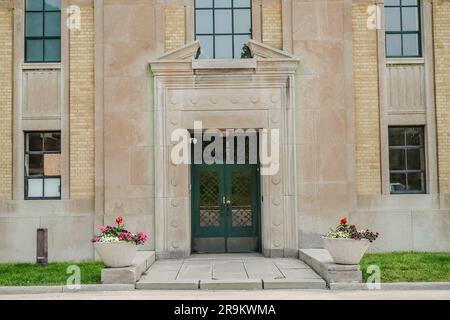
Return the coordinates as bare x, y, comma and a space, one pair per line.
344, 221
119, 220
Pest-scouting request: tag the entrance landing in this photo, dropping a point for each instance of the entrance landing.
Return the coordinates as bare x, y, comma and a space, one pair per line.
230, 271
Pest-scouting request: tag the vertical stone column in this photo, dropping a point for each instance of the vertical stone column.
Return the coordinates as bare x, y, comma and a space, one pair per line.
6, 101
81, 57
441, 28
367, 115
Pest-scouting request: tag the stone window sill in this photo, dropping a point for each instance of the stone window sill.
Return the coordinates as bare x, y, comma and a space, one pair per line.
393, 61
41, 66
224, 64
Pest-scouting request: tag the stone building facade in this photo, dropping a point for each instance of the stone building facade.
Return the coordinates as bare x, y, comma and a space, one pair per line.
91, 92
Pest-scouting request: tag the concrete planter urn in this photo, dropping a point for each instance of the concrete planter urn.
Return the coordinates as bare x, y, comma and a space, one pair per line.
346, 251
346, 244
116, 245
116, 254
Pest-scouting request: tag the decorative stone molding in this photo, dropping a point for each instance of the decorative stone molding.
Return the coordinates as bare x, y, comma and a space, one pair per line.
241, 93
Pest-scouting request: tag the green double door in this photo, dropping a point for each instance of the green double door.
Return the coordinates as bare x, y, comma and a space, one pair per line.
225, 208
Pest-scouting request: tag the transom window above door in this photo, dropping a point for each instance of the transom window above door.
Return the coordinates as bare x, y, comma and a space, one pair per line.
223, 27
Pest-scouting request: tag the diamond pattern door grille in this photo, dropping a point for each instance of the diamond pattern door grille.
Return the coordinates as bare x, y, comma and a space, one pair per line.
241, 188
209, 199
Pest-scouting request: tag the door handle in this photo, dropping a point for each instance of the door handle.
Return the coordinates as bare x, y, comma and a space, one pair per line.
225, 201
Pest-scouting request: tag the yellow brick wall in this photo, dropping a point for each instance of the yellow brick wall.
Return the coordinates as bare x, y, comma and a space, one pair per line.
272, 33
365, 81
81, 55
441, 28
6, 107
174, 34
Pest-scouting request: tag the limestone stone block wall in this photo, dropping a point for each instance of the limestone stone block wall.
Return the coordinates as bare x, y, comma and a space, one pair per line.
6, 107
365, 84
322, 33
128, 110
81, 55
441, 20
272, 24
174, 27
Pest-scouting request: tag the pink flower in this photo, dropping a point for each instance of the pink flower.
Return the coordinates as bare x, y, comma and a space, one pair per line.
119, 220
142, 236
103, 229
122, 235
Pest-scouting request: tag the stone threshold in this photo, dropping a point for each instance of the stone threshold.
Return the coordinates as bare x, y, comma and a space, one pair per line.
129, 275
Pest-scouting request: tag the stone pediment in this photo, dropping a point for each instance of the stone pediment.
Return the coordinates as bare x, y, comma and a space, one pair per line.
184, 60
262, 51
187, 52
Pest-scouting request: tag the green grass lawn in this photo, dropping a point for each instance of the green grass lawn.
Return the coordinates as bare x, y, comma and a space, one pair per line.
29, 274
409, 266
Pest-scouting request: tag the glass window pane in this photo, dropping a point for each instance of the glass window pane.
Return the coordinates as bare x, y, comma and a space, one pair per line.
393, 45
52, 141
410, 45
410, 19
203, 3
396, 137
35, 187
415, 181
204, 21
241, 3
242, 21
206, 47
397, 159
222, 21
398, 182
34, 141
392, 19
414, 136
34, 24
222, 3
408, 2
51, 187
52, 4
35, 51
224, 47
34, 165
415, 159
52, 50
35, 5
52, 27
239, 42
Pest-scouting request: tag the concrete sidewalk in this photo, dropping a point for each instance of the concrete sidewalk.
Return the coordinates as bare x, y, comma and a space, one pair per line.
230, 271
239, 295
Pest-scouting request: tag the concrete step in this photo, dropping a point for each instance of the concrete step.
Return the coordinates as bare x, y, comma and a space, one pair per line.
129, 275
294, 284
321, 262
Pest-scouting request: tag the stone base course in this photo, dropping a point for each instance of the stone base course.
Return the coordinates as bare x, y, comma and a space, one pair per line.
322, 263
129, 275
